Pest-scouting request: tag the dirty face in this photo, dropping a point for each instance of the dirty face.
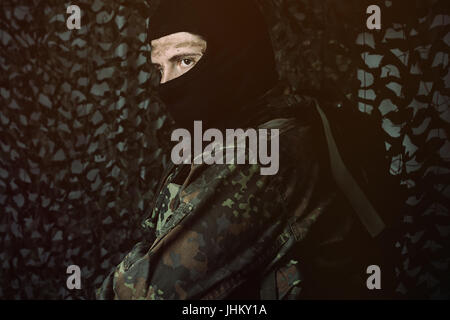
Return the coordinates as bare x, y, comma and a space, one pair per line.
176, 54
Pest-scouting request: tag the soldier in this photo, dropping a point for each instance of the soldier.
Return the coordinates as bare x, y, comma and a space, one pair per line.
224, 231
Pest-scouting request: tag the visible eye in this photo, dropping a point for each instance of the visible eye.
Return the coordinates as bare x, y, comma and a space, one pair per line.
187, 62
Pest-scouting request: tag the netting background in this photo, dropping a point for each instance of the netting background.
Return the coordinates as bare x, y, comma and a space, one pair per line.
83, 139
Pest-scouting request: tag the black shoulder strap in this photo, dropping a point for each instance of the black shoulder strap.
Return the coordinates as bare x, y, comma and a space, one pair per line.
344, 179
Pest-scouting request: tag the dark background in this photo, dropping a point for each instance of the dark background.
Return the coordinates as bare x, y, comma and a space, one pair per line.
83, 140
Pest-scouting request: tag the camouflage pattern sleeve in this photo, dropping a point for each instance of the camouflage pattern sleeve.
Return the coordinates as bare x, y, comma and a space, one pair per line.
220, 233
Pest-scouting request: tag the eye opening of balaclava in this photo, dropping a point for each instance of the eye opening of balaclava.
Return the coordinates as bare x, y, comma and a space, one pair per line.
237, 67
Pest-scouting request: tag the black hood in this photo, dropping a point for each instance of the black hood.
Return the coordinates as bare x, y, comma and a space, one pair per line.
237, 67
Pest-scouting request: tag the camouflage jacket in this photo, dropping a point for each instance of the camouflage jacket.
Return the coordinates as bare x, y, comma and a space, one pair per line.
226, 232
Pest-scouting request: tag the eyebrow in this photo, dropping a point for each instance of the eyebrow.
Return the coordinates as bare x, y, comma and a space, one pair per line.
183, 55
189, 44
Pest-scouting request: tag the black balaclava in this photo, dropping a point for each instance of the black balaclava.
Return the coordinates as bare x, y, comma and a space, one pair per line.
237, 67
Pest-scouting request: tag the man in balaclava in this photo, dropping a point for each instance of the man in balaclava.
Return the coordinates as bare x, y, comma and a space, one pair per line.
225, 231
237, 67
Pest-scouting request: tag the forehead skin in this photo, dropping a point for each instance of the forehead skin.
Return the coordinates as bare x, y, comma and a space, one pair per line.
176, 44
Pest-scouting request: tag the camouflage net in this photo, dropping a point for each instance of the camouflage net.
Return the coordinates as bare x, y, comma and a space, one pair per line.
83, 139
